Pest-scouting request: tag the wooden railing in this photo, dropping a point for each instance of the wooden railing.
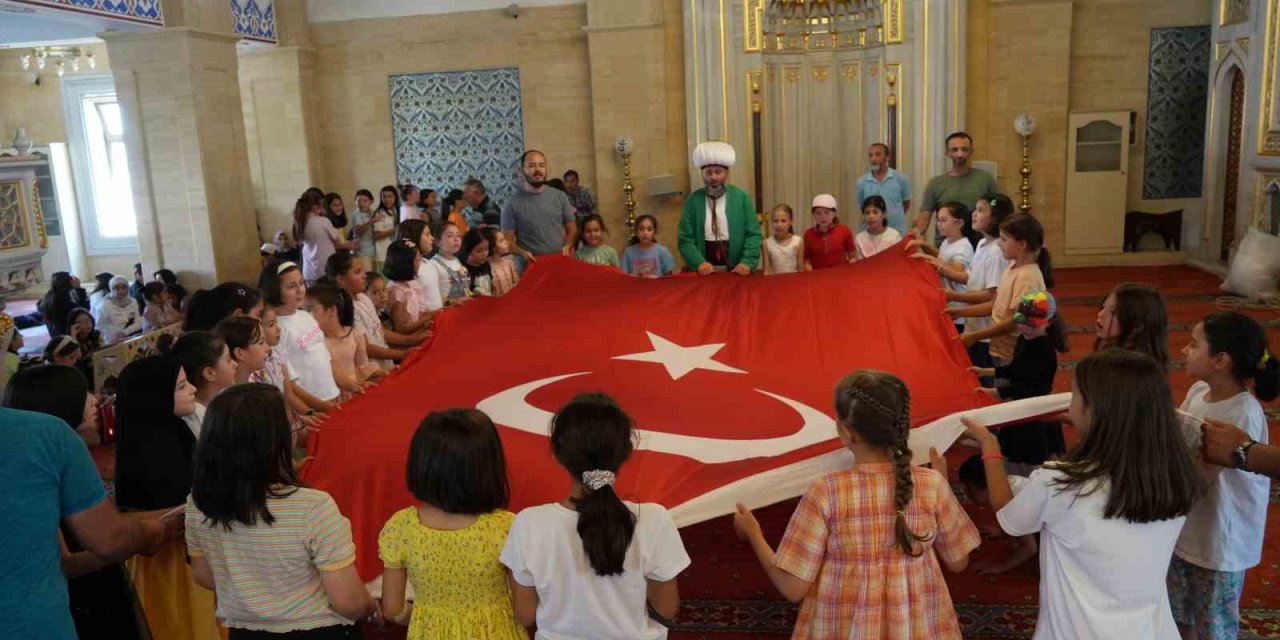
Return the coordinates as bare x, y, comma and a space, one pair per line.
108, 362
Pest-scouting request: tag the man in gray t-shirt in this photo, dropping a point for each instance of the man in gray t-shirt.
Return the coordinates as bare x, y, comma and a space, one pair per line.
539, 221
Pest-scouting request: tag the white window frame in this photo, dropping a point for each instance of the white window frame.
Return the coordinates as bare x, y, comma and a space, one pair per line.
75, 91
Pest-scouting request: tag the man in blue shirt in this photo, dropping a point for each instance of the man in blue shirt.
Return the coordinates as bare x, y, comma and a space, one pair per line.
47, 477
885, 181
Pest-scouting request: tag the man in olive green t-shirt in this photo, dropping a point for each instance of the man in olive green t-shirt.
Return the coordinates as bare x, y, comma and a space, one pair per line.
962, 183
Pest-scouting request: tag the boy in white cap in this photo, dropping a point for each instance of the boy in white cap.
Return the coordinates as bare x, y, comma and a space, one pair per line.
718, 228
827, 243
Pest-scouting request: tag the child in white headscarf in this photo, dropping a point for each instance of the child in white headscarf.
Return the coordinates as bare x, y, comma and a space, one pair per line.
118, 316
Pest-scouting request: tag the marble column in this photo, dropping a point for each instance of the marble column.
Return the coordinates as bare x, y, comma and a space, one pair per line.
276, 84
179, 95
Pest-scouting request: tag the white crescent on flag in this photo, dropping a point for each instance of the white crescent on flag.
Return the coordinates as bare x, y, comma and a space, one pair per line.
788, 482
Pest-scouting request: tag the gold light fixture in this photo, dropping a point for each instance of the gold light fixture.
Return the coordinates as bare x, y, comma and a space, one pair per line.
623, 145
1024, 125
61, 57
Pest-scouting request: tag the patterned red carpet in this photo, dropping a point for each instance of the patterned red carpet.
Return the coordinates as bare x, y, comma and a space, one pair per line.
727, 597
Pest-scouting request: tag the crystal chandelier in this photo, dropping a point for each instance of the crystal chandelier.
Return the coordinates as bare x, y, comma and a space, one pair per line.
61, 58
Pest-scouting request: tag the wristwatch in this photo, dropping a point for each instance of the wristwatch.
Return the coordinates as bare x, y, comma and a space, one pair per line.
1241, 454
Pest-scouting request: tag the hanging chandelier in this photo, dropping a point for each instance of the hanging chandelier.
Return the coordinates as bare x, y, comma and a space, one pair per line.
61, 58
821, 24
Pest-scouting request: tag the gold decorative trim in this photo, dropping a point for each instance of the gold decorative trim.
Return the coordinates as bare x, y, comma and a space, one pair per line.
874, 68
893, 20
697, 83
1243, 43
39, 213
1233, 12
820, 74
1261, 214
724, 76
793, 74
752, 26
1220, 50
20, 219
755, 88
924, 78
850, 72
893, 70
1269, 124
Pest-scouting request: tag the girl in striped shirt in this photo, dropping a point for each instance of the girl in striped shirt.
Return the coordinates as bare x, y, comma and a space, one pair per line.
279, 556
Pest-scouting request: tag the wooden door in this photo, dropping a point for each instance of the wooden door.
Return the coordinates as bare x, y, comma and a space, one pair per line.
1097, 181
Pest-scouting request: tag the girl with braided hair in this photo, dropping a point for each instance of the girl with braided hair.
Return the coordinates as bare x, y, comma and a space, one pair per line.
871, 537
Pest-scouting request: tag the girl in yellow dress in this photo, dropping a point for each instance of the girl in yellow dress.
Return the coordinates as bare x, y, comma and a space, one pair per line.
448, 546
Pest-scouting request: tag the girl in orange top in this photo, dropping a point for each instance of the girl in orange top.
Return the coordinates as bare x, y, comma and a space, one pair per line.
453, 206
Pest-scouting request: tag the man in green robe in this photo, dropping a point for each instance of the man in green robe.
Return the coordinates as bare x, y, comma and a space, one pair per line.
718, 227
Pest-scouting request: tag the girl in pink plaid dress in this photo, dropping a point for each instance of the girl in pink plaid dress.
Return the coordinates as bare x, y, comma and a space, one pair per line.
863, 547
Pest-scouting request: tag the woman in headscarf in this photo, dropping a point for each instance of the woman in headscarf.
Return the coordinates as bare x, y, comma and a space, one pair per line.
101, 599
118, 316
155, 451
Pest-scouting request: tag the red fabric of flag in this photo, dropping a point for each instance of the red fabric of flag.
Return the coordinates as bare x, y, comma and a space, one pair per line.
727, 377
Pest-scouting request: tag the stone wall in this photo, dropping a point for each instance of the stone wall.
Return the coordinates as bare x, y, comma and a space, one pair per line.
353, 60
1049, 58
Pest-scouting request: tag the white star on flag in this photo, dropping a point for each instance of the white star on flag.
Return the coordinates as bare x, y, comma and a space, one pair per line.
680, 360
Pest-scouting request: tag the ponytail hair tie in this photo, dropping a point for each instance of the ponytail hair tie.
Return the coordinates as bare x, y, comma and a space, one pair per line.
1266, 357
597, 478
285, 266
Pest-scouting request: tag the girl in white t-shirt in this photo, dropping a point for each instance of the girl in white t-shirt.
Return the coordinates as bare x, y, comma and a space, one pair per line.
878, 236
301, 339
588, 566
454, 280
953, 257
411, 196
305, 410
389, 209
985, 271
418, 233
372, 229
1223, 535
784, 250
1108, 515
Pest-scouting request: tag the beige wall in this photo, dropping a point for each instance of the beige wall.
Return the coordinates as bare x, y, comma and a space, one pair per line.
1020, 55
38, 109
637, 89
1111, 44
353, 60
1051, 57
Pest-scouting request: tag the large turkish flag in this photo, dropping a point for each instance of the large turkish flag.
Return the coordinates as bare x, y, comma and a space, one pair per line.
729, 378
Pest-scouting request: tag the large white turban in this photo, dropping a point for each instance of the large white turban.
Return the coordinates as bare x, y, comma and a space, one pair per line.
713, 153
